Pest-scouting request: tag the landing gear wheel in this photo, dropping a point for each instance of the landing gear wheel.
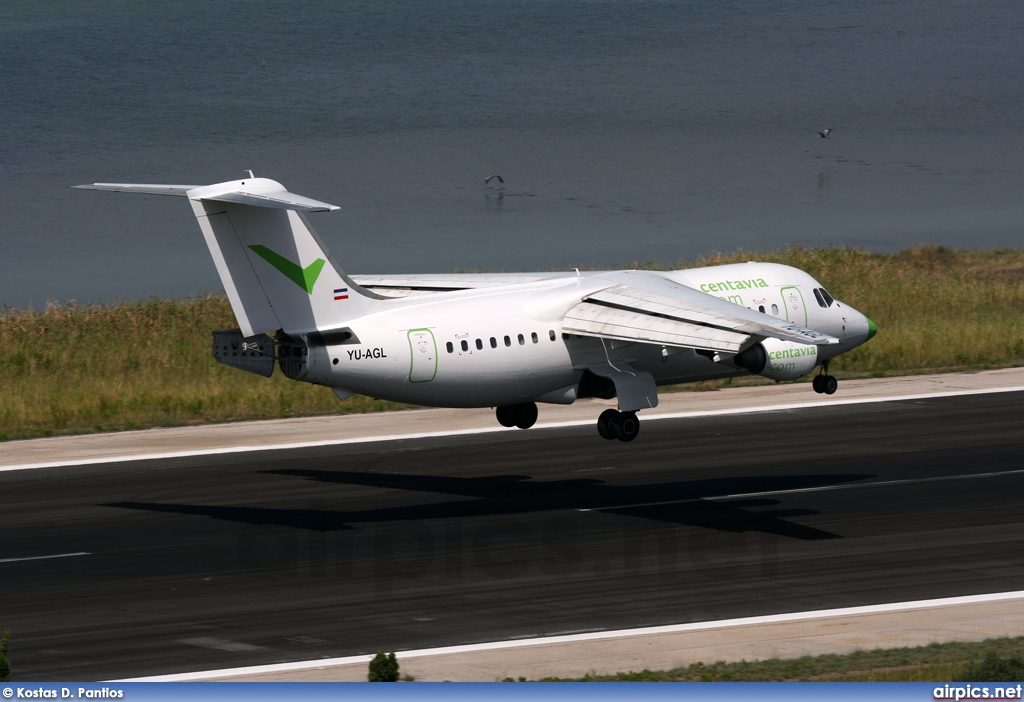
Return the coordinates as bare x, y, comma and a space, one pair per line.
525, 415
626, 426
605, 422
506, 416
825, 383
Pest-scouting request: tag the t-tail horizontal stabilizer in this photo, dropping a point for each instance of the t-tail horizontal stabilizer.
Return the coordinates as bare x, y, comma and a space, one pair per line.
275, 270
258, 192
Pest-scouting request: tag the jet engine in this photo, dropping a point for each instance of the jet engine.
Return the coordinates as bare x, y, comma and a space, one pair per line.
778, 360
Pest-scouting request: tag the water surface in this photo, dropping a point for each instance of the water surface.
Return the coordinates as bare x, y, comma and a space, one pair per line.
625, 131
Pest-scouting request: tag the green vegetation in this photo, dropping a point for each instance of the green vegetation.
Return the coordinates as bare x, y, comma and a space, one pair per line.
5, 661
993, 669
994, 660
75, 368
132, 365
383, 668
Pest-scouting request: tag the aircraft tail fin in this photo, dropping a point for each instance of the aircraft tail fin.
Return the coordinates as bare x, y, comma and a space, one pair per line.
275, 270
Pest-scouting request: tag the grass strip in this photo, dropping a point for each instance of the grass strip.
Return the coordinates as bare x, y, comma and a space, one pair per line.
939, 662
130, 365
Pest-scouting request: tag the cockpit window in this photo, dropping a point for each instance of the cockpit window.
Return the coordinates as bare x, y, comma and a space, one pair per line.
828, 298
818, 297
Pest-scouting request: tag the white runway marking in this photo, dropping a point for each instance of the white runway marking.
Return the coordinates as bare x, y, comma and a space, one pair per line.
490, 430
43, 558
592, 636
818, 488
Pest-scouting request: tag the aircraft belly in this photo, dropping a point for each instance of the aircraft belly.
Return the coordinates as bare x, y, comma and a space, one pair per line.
450, 366
465, 389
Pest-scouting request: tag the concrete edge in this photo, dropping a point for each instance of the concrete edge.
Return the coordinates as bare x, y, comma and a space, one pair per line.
562, 644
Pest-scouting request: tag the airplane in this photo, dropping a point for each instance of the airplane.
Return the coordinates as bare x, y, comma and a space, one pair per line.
501, 340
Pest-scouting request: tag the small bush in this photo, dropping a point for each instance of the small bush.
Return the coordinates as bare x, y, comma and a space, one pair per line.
993, 669
5, 662
383, 668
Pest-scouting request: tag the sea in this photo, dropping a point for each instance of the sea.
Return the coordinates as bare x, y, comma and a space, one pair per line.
626, 132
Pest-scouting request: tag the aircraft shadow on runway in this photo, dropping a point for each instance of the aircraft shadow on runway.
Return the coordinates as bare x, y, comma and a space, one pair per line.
699, 503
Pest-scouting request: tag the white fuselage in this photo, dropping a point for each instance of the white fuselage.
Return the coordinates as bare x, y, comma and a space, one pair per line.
489, 347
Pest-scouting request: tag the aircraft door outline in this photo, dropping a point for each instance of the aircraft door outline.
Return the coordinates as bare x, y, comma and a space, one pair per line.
793, 302
423, 352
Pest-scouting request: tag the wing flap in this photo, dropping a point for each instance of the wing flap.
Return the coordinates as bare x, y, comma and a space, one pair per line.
589, 319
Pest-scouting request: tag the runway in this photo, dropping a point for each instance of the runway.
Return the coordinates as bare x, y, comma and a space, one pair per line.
203, 562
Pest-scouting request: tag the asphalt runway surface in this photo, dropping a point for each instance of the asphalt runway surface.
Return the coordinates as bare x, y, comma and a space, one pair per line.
213, 562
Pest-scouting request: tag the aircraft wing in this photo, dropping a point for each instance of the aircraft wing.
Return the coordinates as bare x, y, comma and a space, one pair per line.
425, 283
647, 308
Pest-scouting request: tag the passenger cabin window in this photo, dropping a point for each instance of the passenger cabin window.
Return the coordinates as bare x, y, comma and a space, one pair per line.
494, 343
451, 349
508, 341
775, 309
760, 308
522, 340
819, 298
465, 346
479, 345
551, 334
533, 336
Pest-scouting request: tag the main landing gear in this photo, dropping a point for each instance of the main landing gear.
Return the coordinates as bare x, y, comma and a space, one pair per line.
613, 424
825, 383
522, 416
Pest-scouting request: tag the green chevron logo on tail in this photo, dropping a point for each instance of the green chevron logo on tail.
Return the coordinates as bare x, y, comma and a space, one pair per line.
303, 277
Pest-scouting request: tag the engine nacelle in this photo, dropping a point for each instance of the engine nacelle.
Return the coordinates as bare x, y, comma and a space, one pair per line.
778, 360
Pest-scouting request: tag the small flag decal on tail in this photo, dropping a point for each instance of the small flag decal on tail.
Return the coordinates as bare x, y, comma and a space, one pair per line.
341, 294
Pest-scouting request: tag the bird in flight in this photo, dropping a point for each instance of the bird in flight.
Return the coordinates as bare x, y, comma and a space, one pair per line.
489, 178
824, 133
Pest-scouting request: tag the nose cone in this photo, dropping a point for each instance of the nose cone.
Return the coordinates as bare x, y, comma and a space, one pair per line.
858, 329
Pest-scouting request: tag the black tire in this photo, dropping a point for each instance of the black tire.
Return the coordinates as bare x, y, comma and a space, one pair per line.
830, 385
817, 383
605, 422
626, 426
526, 415
506, 416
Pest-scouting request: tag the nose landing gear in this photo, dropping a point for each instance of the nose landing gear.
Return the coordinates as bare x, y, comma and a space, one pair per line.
825, 383
613, 424
523, 416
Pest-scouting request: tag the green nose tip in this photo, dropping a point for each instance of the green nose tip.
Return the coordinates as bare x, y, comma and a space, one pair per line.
872, 329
